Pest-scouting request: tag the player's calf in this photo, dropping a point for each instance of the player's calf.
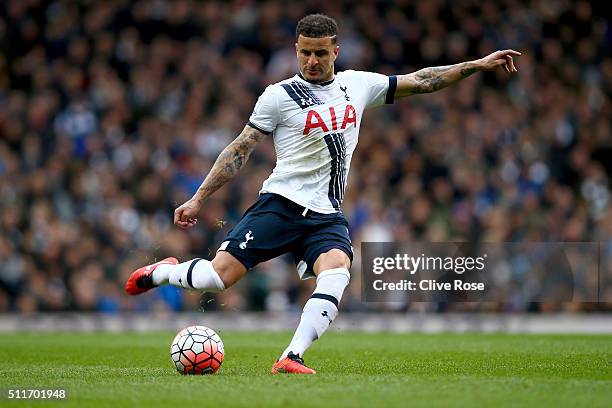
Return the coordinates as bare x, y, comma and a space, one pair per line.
319, 311
194, 274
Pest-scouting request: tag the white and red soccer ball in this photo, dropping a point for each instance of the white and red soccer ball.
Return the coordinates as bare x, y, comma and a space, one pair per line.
197, 350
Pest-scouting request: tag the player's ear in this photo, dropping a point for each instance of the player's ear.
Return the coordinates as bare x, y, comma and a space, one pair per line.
336, 51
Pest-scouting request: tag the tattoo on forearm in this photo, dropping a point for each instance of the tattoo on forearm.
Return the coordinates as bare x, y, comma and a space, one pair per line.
466, 72
435, 78
230, 161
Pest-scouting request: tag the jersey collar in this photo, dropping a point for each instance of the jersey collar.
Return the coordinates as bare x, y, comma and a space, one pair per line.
317, 83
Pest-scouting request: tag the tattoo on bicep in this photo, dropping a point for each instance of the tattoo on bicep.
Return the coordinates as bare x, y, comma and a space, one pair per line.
231, 160
235, 156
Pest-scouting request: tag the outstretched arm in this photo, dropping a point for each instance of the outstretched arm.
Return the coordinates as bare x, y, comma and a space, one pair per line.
433, 79
227, 165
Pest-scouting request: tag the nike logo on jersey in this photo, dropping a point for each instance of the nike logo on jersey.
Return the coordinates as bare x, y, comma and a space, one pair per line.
247, 237
314, 120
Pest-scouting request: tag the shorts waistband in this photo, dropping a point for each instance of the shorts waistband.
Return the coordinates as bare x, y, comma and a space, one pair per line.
299, 209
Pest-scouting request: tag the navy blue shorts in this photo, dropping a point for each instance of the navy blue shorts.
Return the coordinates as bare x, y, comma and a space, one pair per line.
274, 225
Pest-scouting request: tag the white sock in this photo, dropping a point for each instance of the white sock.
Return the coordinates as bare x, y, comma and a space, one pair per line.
195, 274
320, 310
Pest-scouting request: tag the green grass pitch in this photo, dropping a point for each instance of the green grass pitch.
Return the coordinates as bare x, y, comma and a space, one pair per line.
355, 369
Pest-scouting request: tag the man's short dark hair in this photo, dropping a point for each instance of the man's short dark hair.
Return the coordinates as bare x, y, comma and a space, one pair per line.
317, 26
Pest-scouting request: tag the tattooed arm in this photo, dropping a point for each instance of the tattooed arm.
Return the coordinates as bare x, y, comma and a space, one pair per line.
433, 79
227, 165
229, 162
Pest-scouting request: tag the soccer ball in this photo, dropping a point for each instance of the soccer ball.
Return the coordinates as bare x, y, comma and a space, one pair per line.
197, 350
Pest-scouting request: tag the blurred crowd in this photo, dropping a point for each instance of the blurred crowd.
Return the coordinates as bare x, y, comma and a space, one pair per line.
113, 111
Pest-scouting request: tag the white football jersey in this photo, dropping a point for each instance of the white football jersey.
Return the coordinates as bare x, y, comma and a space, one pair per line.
315, 129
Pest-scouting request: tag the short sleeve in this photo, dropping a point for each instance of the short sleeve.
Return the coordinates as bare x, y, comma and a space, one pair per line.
380, 88
265, 115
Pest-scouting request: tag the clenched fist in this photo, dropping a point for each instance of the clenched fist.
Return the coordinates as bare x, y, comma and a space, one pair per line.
186, 215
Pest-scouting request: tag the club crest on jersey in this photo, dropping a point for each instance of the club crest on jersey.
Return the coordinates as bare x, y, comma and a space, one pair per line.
343, 89
247, 237
314, 120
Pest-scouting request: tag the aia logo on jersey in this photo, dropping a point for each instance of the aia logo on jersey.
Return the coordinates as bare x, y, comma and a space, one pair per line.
314, 120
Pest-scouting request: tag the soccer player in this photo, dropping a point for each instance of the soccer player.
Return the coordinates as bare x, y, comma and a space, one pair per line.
314, 119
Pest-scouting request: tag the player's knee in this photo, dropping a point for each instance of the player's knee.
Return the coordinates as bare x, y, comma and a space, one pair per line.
332, 259
229, 269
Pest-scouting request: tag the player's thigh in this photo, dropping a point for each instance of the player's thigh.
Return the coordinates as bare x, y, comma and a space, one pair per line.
263, 233
326, 246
